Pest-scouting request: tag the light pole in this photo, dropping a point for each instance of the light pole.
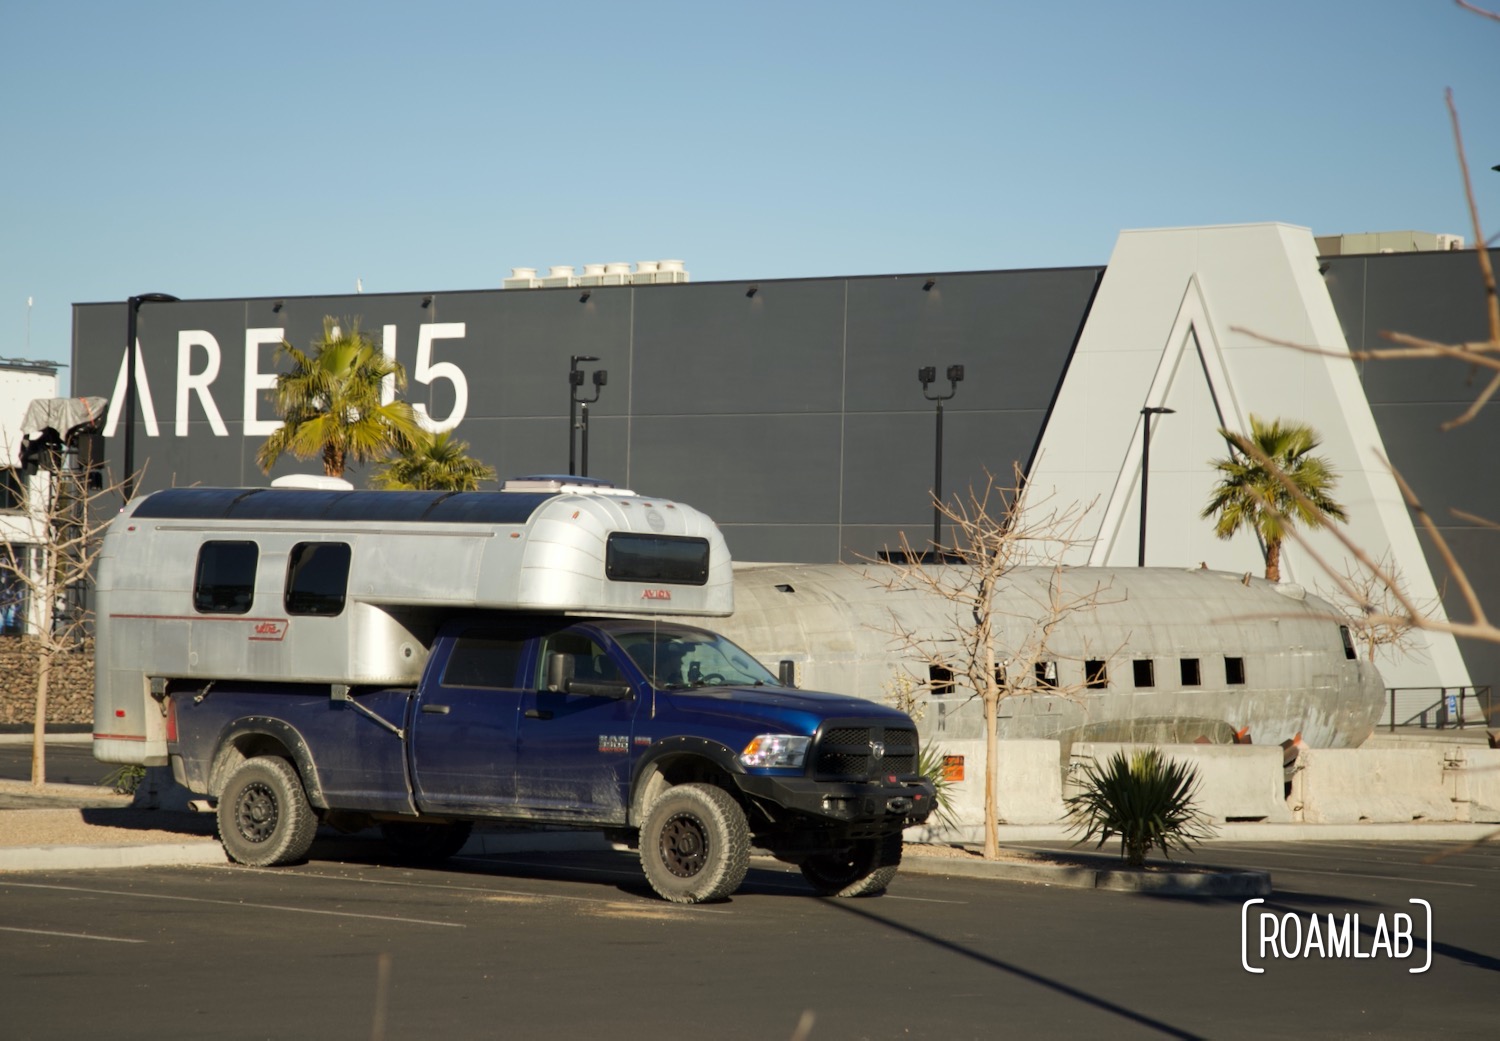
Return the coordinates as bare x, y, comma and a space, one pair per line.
132, 358
927, 374
575, 380
1146, 414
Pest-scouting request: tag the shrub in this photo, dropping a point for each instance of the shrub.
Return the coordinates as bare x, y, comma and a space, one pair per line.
931, 766
1145, 799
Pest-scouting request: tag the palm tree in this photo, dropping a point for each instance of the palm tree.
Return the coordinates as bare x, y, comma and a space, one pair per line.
1250, 495
436, 463
330, 404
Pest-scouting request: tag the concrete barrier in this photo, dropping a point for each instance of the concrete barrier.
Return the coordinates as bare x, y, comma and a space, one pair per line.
1235, 782
1477, 785
1028, 789
1345, 785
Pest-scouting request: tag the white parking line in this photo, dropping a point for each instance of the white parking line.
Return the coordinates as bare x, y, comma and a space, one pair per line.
68, 936
482, 891
235, 903
1383, 878
1260, 851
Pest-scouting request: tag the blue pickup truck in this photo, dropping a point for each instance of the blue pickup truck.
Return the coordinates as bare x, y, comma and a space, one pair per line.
419, 663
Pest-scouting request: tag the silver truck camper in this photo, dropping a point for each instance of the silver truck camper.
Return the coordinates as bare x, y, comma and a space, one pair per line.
348, 587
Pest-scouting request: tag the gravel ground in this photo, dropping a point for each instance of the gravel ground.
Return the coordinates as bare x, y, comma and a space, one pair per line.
95, 825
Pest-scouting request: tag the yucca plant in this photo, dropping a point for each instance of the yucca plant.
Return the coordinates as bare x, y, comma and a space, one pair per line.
1146, 799
931, 766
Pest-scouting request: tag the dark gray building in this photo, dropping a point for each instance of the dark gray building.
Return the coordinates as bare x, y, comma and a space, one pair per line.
790, 409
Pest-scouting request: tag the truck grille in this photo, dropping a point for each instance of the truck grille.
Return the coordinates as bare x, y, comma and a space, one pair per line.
848, 751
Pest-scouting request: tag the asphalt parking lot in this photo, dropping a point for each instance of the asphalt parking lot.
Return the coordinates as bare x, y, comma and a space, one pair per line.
569, 945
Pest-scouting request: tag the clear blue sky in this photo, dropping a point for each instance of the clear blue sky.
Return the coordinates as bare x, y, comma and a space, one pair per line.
210, 149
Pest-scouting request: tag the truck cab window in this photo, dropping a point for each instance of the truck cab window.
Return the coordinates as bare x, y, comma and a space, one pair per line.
317, 577
484, 660
224, 582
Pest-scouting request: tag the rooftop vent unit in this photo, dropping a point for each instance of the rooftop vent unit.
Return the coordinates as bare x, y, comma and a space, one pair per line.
615, 273
671, 271
559, 276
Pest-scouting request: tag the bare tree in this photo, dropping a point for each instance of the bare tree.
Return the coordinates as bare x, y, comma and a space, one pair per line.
51, 559
1373, 612
996, 646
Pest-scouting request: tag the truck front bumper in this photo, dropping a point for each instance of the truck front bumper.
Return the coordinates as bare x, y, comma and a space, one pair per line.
882, 806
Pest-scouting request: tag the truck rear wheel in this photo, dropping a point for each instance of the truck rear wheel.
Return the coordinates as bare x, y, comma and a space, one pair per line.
695, 844
264, 816
865, 869
425, 842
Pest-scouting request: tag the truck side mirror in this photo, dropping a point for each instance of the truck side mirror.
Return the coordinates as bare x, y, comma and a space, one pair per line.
559, 671
560, 680
787, 672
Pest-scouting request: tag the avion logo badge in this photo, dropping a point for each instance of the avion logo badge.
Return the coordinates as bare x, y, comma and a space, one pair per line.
656, 594
273, 629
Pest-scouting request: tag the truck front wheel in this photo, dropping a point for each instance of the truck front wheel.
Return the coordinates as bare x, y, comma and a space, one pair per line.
264, 816
695, 844
865, 869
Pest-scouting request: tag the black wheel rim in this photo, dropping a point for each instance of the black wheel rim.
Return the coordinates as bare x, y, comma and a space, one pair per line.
838, 871
684, 845
255, 813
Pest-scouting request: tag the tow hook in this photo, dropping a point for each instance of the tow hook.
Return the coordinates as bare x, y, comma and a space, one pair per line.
900, 804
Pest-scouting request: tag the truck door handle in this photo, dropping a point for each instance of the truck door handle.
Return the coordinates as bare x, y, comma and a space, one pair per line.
539, 713
435, 710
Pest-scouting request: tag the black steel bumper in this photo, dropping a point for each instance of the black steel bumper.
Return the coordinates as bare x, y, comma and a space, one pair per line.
892, 804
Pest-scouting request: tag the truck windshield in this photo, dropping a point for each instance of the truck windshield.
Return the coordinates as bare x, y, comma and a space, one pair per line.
678, 658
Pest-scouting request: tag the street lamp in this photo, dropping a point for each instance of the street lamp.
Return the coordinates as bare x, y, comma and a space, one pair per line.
1146, 414
928, 376
575, 381
132, 358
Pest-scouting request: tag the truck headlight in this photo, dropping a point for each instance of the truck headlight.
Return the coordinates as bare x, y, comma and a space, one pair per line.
783, 750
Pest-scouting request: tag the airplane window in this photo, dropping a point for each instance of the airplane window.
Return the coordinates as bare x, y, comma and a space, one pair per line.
1234, 670
1145, 673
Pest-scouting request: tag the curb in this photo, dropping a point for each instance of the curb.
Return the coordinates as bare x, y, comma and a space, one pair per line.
1268, 831
67, 858
52, 738
1209, 882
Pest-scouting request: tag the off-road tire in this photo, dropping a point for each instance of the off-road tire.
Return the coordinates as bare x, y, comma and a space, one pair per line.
424, 842
264, 816
695, 844
865, 869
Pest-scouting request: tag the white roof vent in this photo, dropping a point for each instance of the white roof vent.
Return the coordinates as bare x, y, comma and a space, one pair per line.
559, 275
521, 278
313, 482
563, 483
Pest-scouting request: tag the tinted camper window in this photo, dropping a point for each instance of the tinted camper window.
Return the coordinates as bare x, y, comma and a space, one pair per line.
317, 576
224, 582
674, 559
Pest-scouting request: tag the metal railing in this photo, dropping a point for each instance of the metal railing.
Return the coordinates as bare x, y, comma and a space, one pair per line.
1441, 708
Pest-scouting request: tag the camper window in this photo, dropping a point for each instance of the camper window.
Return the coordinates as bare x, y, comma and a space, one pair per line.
656, 558
317, 576
224, 582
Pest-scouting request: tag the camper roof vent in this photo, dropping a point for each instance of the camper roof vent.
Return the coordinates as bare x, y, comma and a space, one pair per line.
563, 483
313, 482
